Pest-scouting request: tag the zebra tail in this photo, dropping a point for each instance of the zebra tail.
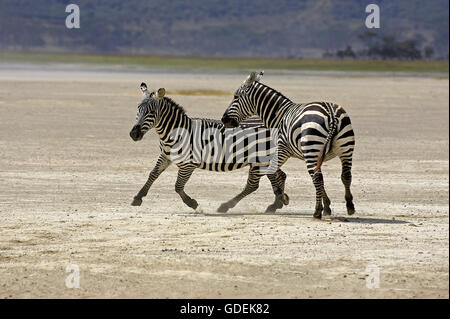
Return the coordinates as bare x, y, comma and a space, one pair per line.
330, 135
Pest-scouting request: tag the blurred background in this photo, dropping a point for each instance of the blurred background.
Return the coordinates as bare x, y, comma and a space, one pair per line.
410, 30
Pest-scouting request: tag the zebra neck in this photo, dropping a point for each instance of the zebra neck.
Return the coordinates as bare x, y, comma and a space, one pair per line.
171, 118
271, 105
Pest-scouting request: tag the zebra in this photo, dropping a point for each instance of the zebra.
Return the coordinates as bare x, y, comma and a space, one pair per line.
314, 132
166, 116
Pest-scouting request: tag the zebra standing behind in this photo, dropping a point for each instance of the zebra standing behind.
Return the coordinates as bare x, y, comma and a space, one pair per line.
179, 143
314, 132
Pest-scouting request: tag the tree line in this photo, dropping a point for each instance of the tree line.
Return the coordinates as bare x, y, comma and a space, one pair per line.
386, 47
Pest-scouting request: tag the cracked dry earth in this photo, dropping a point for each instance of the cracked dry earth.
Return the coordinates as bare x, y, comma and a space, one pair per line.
69, 171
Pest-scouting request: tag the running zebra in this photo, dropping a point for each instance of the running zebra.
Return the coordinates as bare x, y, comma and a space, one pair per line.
193, 143
314, 132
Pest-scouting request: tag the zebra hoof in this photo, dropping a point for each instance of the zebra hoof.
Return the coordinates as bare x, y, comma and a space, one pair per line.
317, 216
192, 204
270, 210
223, 208
136, 202
199, 210
273, 207
350, 209
285, 199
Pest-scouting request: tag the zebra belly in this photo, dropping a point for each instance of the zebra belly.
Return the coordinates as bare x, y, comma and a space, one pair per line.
224, 150
222, 167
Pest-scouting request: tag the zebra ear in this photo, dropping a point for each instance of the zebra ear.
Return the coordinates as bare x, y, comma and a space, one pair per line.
161, 92
259, 76
251, 78
144, 89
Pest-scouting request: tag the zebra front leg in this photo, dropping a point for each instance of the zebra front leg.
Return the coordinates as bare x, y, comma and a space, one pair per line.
346, 178
251, 186
281, 182
283, 155
161, 164
184, 173
278, 180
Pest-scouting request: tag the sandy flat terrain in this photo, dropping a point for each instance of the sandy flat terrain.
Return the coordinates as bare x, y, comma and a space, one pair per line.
69, 171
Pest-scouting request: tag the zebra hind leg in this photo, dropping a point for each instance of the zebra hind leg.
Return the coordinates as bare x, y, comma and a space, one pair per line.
251, 186
346, 178
321, 195
184, 173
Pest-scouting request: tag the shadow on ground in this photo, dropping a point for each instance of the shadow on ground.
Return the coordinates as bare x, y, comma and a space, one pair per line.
345, 219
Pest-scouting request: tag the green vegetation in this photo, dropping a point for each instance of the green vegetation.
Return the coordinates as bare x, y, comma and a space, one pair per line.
244, 64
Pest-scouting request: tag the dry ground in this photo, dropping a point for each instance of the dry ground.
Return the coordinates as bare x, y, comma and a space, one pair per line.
69, 170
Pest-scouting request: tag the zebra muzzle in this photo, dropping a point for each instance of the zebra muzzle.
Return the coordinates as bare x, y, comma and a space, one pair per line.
136, 133
229, 122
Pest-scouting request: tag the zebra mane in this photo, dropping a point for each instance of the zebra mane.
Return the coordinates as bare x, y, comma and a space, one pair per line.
174, 104
207, 119
274, 90
251, 122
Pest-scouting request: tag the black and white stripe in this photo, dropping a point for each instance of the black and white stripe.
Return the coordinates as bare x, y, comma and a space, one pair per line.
314, 132
193, 143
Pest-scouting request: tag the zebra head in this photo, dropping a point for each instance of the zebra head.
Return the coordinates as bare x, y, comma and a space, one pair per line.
148, 112
242, 106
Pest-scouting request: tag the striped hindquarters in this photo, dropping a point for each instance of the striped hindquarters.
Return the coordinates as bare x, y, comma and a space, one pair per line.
320, 131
